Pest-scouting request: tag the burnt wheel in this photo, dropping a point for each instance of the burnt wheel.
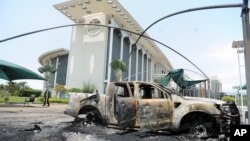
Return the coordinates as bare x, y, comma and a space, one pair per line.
199, 130
204, 128
200, 125
92, 116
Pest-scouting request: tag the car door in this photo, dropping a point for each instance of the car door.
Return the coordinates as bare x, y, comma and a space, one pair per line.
155, 108
125, 106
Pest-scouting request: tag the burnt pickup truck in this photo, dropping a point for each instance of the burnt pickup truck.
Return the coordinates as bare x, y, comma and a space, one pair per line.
152, 107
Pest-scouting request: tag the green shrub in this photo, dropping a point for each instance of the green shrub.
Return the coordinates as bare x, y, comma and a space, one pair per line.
39, 99
29, 92
228, 98
4, 93
14, 99
58, 100
75, 90
88, 88
53, 100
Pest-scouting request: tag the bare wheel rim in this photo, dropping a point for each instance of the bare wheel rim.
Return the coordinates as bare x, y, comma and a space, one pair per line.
200, 131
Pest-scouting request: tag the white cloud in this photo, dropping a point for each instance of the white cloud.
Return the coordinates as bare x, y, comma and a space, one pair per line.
223, 62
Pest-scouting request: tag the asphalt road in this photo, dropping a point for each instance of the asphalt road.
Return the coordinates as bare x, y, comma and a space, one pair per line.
37, 123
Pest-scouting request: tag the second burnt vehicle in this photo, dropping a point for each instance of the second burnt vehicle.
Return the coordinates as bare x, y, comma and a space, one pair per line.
152, 108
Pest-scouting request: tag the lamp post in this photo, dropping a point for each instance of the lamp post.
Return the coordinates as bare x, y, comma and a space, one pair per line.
246, 37
239, 47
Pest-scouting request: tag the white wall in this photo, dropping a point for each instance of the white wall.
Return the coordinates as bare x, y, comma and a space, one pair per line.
87, 57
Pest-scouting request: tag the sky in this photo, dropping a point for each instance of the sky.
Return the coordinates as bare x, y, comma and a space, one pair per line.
204, 37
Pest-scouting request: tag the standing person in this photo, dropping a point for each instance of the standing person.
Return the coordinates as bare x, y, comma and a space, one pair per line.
46, 97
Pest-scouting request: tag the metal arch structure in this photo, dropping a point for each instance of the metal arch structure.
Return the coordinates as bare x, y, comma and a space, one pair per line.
246, 36
142, 34
186, 11
70, 25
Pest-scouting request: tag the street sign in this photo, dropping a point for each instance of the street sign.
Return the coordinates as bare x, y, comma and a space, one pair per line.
237, 44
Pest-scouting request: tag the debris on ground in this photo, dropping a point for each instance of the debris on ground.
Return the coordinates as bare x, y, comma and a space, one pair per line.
35, 129
37, 122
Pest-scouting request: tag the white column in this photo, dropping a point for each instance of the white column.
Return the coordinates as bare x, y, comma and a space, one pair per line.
136, 66
142, 65
152, 69
147, 70
129, 63
57, 61
110, 52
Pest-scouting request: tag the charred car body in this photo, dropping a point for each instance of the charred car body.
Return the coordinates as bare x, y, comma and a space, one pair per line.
152, 107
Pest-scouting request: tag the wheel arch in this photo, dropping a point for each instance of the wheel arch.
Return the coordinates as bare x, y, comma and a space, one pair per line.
188, 119
90, 108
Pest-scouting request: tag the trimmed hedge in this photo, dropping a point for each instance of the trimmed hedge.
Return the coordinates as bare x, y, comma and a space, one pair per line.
75, 90
228, 98
58, 100
54, 100
29, 92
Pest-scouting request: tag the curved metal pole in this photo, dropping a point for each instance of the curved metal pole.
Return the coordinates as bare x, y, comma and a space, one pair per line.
189, 10
194, 72
178, 54
33, 32
46, 29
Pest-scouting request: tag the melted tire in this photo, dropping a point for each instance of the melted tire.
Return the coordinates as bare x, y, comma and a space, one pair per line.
200, 130
93, 117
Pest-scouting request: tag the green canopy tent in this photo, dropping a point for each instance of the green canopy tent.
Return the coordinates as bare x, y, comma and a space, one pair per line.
10, 71
178, 76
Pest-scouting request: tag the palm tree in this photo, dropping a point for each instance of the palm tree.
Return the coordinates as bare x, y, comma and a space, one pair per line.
118, 66
60, 88
22, 85
47, 70
12, 87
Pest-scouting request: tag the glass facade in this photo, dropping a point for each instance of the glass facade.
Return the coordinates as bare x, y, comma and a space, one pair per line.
133, 63
107, 56
139, 73
52, 75
149, 69
145, 57
62, 69
126, 45
116, 50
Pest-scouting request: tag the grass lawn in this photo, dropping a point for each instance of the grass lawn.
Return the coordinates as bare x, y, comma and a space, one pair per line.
38, 100
13, 99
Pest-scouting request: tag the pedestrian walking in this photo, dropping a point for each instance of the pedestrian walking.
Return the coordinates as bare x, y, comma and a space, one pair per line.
46, 97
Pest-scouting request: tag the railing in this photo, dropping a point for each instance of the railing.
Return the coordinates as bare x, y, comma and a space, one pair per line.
194, 92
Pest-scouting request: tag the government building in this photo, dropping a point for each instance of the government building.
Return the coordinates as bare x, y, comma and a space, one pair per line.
93, 48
